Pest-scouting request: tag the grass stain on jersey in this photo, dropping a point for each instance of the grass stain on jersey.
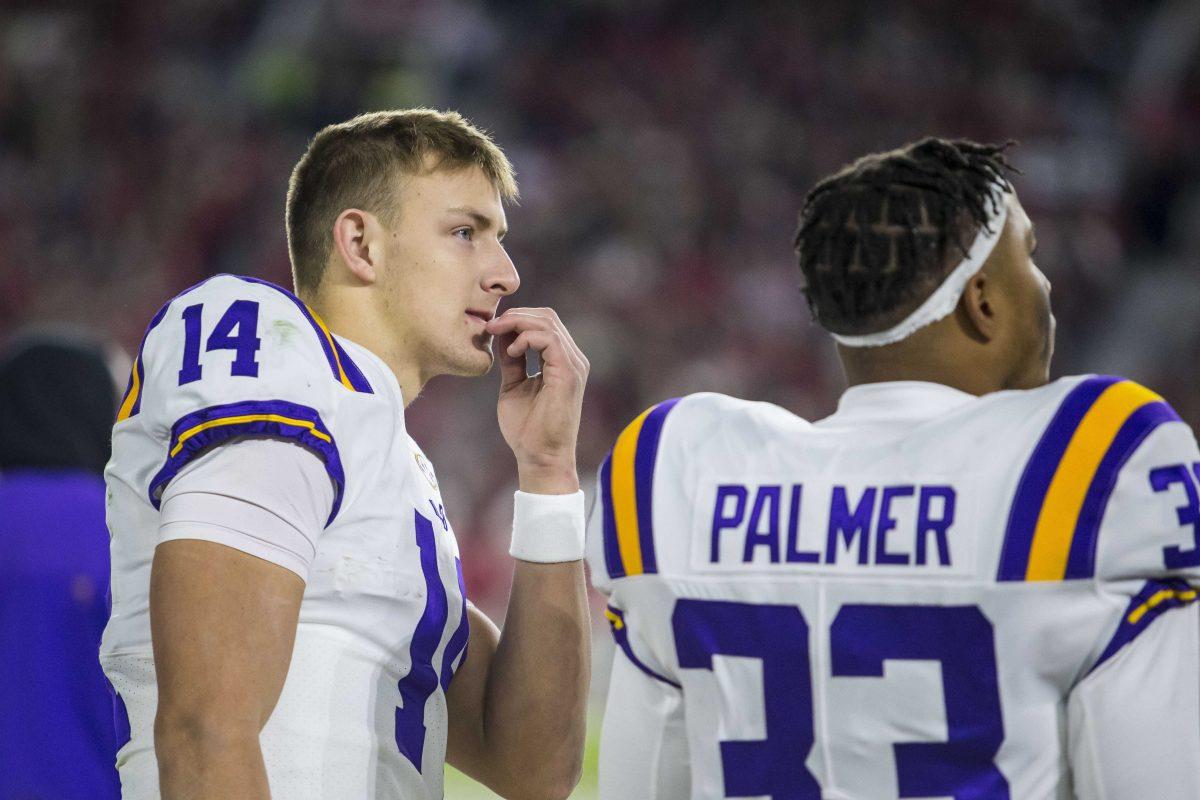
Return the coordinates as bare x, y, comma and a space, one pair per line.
282, 332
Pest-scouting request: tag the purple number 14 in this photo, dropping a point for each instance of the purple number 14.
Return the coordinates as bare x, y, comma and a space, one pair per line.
242, 316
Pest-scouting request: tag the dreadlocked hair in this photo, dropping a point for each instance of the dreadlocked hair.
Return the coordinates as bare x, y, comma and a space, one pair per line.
877, 237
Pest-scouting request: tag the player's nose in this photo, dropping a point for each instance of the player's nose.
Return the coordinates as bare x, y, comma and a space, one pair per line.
501, 275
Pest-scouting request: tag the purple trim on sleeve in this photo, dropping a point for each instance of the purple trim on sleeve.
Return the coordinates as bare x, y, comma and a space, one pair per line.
1039, 472
1081, 562
353, 373
199, 441
620, 633
643, 475
1128, 631
612, 548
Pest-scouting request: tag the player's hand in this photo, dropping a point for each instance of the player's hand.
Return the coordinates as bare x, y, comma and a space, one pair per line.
539, 414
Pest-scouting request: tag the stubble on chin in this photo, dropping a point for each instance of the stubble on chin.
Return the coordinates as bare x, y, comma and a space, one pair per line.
477, 359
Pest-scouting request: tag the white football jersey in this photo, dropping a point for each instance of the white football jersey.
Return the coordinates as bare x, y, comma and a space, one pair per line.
925, 595
382, 623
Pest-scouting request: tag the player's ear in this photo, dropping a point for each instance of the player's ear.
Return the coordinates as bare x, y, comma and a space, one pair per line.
977, 308
358, 243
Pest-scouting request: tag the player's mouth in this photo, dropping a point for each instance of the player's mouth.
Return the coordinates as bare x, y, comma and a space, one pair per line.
483, 316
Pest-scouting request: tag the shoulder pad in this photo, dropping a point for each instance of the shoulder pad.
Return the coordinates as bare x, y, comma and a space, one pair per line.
1068, 480
237, 356
284, 322
630, 481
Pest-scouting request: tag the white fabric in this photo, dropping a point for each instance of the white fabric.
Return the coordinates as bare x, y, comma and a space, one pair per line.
944, 299
1132, 723
266, 497
1046, 635
547, 528
373, 570
643, 743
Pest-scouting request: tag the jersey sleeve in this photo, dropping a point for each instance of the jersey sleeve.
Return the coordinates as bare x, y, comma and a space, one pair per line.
264, 496
235, 357
1134, 722
1150, 526
643, 742
1085, 505
640, 524
1121, 507
621, 527
642, 511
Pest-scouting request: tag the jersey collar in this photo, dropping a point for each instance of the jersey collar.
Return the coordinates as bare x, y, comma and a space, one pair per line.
899, 400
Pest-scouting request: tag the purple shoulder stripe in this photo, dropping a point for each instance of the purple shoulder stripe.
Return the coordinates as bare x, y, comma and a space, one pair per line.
612, 548
353, 373
335, 354
1039, 471
1081, 562
643, 473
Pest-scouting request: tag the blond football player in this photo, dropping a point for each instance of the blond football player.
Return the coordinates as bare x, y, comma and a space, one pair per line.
289, 617
969, 582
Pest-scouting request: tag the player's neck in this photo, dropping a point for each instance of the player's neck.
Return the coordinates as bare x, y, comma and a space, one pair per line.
880, 367
361, 326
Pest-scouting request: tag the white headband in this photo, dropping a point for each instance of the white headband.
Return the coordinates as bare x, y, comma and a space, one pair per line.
946, 297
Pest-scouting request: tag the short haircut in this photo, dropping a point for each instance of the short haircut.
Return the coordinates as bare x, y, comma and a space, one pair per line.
876, 238
357, 164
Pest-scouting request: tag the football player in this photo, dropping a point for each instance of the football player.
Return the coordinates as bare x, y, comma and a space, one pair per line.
968, 582
288, 611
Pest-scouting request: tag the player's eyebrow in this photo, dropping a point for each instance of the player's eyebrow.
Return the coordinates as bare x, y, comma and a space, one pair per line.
481, 220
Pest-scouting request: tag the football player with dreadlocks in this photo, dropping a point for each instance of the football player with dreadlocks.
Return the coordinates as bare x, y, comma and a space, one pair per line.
970, 581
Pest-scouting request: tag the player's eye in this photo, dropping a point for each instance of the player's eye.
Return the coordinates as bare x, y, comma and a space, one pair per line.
464, 233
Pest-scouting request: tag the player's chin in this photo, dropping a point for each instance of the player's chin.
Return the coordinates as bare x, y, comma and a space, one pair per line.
476, 360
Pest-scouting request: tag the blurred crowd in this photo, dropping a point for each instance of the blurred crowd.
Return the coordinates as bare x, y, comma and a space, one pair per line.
663, 150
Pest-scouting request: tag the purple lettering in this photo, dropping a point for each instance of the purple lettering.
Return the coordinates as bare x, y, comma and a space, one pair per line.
755, 536
926, 523
887, 523
794, 554
846, 525
722, 519
1175, 557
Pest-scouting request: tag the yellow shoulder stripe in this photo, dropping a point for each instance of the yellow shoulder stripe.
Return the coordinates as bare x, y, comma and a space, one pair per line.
1064, 499
624, 495
333, 348
135, 388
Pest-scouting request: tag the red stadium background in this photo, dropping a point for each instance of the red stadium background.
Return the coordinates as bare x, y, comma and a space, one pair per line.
663, 150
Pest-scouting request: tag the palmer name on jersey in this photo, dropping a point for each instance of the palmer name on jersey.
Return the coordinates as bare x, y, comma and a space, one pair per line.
927, 594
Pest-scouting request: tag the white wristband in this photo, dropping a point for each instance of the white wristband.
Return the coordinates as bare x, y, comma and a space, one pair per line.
547, 528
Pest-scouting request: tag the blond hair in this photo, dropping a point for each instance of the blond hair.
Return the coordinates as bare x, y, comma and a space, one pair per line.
355, 164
